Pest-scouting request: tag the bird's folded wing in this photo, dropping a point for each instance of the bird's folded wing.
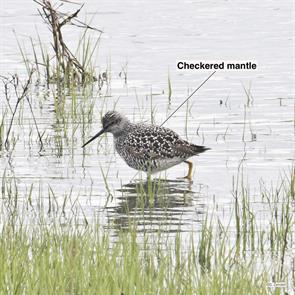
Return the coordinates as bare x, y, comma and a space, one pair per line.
144, 154
183, 150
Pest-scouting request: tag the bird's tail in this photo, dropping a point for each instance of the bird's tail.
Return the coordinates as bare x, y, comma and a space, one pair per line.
197, 149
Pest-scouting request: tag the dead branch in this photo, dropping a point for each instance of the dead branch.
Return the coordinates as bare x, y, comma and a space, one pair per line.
25, 89
56, 20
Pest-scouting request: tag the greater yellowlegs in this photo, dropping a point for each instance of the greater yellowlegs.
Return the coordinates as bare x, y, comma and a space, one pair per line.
148, 148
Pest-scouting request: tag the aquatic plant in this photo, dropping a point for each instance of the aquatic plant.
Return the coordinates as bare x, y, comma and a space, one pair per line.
74, 257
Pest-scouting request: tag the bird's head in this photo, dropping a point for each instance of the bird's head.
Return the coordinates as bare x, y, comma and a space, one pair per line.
112, 122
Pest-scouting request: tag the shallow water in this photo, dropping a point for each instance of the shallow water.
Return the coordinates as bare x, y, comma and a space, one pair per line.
147, 38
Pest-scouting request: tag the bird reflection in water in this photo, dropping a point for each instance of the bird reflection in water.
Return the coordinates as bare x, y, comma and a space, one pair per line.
169, 205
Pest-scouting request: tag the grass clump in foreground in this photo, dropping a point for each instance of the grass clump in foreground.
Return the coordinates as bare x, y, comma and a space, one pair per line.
247, 257
56, 261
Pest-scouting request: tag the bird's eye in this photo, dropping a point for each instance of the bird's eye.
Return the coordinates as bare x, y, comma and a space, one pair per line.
108, 125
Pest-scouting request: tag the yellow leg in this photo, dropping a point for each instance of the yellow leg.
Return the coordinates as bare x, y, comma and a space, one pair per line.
190, 170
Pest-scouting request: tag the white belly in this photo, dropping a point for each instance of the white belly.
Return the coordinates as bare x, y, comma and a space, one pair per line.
164, 164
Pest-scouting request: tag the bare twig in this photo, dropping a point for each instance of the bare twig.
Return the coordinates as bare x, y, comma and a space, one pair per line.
55, 20
36, 125
20, 97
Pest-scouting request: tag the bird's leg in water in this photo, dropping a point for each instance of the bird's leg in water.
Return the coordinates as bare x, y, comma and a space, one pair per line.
190, 170
150, 188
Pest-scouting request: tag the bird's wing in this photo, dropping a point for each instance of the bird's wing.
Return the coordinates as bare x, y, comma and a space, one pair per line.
153, 142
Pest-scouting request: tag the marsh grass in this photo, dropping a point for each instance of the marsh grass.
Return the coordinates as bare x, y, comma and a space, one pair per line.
50, 256
52, 260
2, 129
73, 95
58, 64
71, 112
67, 68
169, 89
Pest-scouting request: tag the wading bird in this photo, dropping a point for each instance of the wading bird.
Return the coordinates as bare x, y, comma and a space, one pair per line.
148, 148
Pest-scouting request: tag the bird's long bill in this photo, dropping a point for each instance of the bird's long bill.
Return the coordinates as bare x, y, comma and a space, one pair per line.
94, 137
